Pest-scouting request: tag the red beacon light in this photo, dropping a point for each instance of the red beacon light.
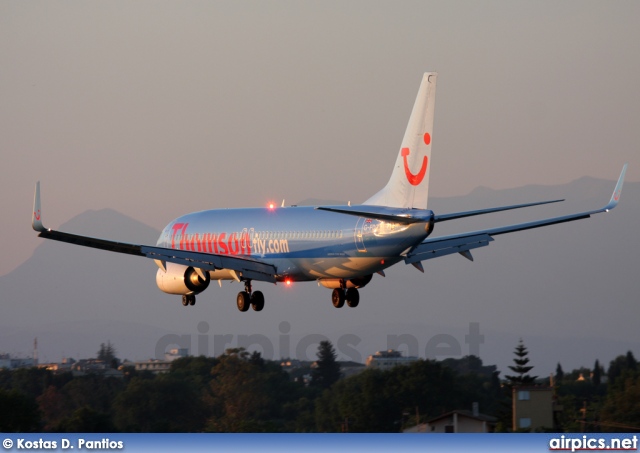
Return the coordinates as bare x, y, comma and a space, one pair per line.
287, 282
271, 205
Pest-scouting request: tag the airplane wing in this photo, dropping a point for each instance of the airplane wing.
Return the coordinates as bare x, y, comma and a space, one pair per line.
463, 243
247, 268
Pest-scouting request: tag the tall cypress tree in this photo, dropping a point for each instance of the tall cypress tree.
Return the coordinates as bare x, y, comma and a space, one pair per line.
521, 368
327, 370
596, 376
559, 373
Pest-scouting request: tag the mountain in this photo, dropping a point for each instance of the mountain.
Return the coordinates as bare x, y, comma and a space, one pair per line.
570, 291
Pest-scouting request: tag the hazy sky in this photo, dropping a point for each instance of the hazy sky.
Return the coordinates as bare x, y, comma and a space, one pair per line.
159, 108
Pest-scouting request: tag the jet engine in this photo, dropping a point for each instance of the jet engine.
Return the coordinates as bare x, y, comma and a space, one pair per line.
358, 282
180, 279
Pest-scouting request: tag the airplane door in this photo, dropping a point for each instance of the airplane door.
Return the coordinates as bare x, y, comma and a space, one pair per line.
359, 233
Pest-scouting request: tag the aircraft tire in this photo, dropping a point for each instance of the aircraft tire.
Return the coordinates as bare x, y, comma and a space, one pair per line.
243, 301
257, 301
353, 297
192, 299
337, 297
185, 300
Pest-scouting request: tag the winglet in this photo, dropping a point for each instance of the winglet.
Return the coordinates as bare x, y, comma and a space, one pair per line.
36, 219
615, 198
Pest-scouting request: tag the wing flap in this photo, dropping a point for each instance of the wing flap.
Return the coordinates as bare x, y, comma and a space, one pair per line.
249, 269
436, 247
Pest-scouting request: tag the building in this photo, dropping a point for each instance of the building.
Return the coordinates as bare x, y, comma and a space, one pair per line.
385, 360
66, 365
153, 365
462, 421
532, 408
12, 363
159, 366
176, 353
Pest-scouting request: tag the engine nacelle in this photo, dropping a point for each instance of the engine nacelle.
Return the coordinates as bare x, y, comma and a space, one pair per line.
180, 279
333, 283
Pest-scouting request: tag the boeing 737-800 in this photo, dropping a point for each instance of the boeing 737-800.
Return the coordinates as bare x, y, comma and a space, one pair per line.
340, 247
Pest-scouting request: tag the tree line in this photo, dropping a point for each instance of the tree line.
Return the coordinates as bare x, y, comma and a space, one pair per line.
242, 392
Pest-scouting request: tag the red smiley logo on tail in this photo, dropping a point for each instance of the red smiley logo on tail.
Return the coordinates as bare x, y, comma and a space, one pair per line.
414, 180
37, 215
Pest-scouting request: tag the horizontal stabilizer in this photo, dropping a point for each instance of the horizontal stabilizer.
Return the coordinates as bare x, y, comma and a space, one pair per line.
459, 243
395, 215
460, 215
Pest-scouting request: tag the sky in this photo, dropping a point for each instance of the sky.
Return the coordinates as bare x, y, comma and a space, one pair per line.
158, 108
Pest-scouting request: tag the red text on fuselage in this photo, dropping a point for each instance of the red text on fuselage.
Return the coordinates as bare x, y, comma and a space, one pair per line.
221, 243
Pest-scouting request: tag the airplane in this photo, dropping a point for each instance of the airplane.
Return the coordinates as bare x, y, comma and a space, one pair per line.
340, 247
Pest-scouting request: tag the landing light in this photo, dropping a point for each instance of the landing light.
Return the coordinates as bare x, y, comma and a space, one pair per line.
287, 282
271, 206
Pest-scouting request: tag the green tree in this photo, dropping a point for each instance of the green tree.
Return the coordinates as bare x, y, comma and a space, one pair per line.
31, 381
86, 420
387, 401
165, 403
107, 353
247, 394
559, 374
596, 374
19, 412
53, 406
327, 370
521, 367
622, 367
621, 410
199, 369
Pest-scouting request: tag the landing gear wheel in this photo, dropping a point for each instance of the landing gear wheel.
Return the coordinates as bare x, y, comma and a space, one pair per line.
353, 297
337, 297
257, 301
188, 299
243, 301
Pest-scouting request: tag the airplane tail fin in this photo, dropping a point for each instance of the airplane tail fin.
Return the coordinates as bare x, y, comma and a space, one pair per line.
408, 186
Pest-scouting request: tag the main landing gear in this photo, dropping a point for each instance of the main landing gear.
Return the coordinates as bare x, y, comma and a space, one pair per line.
248, 298
341, 295
188, 299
